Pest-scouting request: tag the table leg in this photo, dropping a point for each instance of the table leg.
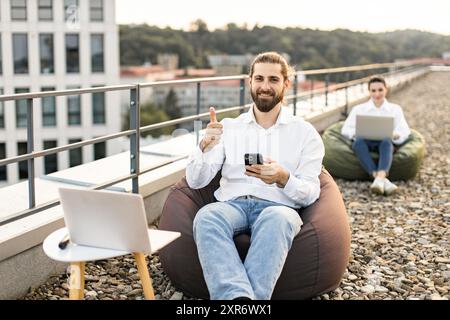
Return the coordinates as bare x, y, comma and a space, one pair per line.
144, 276
76, 282
82, 270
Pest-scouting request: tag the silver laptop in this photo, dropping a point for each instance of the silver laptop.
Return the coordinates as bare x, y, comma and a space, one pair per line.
111, 220
374, 127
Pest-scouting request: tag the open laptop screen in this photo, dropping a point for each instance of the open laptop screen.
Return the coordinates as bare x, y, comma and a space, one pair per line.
374, 127
105, 219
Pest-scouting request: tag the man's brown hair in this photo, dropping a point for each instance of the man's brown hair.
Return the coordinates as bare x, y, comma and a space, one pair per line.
272, 57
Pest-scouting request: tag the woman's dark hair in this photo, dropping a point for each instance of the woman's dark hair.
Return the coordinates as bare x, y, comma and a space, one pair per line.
377, 79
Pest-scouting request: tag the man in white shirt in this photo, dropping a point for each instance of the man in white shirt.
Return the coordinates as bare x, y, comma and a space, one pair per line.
377, 106
260, 199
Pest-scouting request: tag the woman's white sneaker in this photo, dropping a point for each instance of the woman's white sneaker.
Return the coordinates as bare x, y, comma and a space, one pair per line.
377, 186
389, 187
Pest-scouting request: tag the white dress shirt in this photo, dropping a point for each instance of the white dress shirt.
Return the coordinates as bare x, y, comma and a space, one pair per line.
291, 142
386, 109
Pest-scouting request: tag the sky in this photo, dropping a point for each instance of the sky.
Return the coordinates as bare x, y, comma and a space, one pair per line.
356, 15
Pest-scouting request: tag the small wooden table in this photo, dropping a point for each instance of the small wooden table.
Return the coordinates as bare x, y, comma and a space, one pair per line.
77, 256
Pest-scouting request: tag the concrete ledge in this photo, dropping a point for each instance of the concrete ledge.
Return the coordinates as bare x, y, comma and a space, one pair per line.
26, 270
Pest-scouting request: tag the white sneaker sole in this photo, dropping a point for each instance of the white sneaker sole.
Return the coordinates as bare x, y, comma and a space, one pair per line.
389, 192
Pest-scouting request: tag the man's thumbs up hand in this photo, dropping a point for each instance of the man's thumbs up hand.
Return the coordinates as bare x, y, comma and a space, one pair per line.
213, 133
212, 114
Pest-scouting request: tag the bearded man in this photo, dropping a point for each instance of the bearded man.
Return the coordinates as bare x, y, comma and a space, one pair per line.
259, 199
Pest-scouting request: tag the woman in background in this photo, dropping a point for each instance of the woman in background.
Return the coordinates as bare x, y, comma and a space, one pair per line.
377, 106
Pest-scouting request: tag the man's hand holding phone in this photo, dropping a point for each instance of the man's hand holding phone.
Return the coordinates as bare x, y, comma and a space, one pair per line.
269, 172
214, 131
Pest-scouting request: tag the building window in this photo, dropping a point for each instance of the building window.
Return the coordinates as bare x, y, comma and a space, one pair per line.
46, 53
3, 175
23, 165
45, 10
74, 110
18, 9
96, 10
71, 10
75, 155
97, 60
98, 108
50, 161
72, 53
48, 109
2, 112
99, 150
20, 52
21, 109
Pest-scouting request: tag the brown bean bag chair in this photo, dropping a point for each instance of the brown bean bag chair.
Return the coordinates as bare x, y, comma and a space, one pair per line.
315, 264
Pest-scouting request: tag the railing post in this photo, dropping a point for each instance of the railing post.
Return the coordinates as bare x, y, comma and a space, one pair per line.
327, 83
311, 92
30, 149
295, 93
241, 94
135, 137
198, 108
346, 95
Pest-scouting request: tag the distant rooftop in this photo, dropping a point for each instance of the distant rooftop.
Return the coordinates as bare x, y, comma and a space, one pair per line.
140, 71
195, 72
224, 59
155, 70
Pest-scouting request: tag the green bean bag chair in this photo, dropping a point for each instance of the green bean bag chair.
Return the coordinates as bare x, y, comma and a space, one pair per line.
341, 161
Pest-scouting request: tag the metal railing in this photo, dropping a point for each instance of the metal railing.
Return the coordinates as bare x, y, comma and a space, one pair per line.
343, 85
136, 130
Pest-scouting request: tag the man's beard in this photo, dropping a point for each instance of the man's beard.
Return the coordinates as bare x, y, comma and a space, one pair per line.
265, 105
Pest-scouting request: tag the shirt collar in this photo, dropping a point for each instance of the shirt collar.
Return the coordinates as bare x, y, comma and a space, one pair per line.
384, 106
283, 117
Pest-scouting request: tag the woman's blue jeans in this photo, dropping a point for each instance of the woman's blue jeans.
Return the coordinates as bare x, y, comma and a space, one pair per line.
385, 149
272, 228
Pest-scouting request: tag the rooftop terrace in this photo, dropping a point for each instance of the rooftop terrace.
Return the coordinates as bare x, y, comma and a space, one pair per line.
400, 245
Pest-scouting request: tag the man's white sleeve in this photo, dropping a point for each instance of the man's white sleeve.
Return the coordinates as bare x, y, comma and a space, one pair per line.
203, 167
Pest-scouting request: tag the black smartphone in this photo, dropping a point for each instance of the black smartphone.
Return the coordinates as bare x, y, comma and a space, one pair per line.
253, 158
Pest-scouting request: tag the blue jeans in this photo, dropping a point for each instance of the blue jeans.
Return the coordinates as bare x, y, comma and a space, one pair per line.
385, 148
272, 228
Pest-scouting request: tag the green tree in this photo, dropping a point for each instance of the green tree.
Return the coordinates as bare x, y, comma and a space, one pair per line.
171, 105
151, 114
199, 26
199, 35
307, 48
